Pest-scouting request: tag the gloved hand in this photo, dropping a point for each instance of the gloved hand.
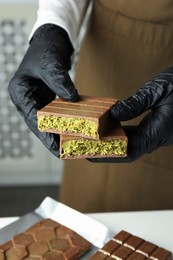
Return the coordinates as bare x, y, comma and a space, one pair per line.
43, 74
156, 129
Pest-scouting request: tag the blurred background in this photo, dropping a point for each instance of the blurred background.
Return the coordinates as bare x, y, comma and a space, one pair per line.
28, 172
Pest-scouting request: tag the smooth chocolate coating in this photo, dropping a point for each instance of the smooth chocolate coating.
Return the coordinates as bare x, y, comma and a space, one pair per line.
121, 253
134, 242
99, 256
146, 248
136, 256
122, 236
88, 108
111, 246
161, 254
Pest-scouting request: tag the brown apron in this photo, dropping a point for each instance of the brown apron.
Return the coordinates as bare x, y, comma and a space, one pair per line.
127, 43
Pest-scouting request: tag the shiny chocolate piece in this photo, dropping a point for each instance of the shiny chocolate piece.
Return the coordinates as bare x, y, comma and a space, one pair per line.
46, 239
161, 254
99, 256
146, 248
137, 256
121, 253
89, 117
106, 250
23, 239
121, 237
37, 249
15, 253
110, 247
134, 242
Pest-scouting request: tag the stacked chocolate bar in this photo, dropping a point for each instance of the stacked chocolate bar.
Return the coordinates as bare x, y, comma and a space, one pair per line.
85, 127
127, 246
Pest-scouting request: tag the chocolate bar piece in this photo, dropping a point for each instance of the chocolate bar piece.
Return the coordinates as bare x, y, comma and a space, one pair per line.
89, 117
114, 144
99, 255
137, 256
121, 237
46, 239
133, 242
146, 248
121, 252
127, 246
161, 253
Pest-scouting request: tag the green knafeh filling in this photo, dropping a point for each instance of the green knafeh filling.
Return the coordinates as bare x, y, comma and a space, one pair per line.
70, 125
94, 147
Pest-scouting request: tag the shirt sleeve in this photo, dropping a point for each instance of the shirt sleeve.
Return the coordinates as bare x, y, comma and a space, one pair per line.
67, 14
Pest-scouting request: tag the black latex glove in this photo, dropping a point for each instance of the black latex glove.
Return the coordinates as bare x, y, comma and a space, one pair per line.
43, 74
156, 129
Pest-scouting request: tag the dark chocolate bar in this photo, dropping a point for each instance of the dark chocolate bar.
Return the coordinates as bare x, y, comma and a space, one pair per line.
89, 117
46, 239
124, 245
114, 144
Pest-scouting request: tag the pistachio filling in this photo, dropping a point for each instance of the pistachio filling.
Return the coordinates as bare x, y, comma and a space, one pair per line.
94, 147
68, 125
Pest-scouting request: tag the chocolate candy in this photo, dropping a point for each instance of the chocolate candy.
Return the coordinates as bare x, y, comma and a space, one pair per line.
133, 242
46, 239
113, 144
121, 252
89, 117
146, 248
127, 246
161, 253
121, 237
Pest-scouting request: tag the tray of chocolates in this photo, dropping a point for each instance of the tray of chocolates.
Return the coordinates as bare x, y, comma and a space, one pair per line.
54, 231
